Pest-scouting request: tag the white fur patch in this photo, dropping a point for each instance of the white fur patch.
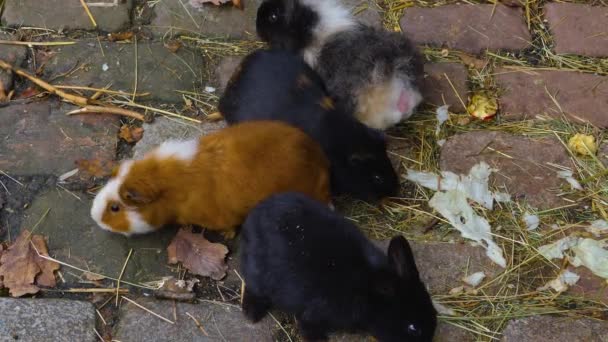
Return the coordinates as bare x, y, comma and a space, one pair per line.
391, 115
185, 150
109, 193
137, 224
333, 18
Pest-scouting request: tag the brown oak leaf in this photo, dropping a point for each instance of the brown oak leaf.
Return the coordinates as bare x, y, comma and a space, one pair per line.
131, 134
23, 269
198, 255
94, 167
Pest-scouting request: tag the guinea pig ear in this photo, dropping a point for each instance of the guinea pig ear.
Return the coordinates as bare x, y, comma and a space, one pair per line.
135, 196
401, 258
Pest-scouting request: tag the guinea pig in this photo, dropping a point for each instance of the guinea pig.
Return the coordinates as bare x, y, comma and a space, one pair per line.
212, 181
279, 85
326, 273
373, 73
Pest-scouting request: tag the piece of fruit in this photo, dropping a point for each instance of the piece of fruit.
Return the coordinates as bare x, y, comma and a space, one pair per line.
583, 144
482, 107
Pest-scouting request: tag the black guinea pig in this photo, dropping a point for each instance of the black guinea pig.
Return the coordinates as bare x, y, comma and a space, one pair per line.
301, 258
279, 85
373, 73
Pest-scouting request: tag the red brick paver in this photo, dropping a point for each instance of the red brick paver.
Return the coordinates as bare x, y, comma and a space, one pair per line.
581, 97
578, 29
437, 89
471, 28
39, 138
523, 174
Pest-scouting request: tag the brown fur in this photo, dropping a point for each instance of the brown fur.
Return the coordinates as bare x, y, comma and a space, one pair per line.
233, 170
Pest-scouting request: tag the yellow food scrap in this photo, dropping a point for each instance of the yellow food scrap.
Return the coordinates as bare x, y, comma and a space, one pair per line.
583, 144
482, 107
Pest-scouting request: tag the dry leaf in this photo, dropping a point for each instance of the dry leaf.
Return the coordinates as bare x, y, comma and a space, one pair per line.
177, 289
131, 134
198, 255
92, 277
94, 167
173, 45
114, 37
22, 268
29, 92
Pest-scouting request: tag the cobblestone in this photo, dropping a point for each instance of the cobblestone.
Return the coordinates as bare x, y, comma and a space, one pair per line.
578, 29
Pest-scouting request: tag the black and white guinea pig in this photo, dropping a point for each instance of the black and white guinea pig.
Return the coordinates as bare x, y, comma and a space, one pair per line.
373, 73
279, 85
303, 259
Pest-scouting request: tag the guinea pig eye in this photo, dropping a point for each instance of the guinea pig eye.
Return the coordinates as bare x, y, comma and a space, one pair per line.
273, 17
412, 330
115, 208
378, 180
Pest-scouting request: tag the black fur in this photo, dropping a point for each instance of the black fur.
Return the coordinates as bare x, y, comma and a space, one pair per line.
277, 24
301, 258
279, 85
373, 54
347, 61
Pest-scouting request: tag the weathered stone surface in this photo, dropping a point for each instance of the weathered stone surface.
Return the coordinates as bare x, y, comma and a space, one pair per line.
225, 70
581, 97
46, 320
221, 322
38, 138
589, 286
525, 175
442, 265
205, 19
578, 29
445, 333
66, 14
366, 11
471, 28
555, 329
13, 55
74, 237
163, 129
159, 71
437, 89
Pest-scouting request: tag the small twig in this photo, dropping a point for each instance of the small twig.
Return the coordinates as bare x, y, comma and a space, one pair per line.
101, 317
124, 266
198, 324
281, 326
79, 100
136, 57
12, 42
86, 9
455, 91
89, 290
107, 110
158, 111
148, 310
430, 226
98, 335
11, 178
102, 90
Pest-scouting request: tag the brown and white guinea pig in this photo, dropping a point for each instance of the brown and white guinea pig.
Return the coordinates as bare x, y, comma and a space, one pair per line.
212, 181
371, 72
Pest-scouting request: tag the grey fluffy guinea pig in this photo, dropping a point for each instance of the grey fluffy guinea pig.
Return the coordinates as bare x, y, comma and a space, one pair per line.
371, 72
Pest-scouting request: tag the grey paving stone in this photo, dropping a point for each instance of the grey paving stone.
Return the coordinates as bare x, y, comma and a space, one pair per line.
38, 320
222, 322
38, 138
555, 329
13, 55
470, 28
578, 28
225, 70
581, 97
163, 129
524, 174
74, 238
160, 72
110, 15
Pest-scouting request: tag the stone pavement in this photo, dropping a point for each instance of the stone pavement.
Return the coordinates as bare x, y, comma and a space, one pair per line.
39, 144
